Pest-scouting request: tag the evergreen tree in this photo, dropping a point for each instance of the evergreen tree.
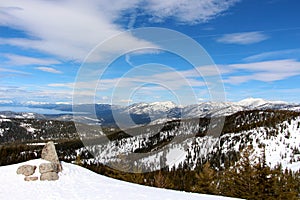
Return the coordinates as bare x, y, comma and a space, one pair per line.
137, 175
266, 179
162, 180
241, 180
286, 186
206, 180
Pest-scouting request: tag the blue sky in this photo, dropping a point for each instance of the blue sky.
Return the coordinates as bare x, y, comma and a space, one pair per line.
254, 45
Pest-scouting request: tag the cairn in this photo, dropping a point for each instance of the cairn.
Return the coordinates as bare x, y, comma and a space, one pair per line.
49, 171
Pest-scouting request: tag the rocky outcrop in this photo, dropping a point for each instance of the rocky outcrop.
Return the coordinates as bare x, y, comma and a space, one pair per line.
26, 170
49, 154
49, 171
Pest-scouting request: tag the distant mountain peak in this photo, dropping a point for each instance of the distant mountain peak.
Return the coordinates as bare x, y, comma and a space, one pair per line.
169, 104
154, 106
255, 102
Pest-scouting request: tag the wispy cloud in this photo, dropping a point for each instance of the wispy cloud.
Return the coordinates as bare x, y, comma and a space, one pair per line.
27, 93
20, 60
174, 80
282, 54
183, 11
187, 11
81, 25
125, 101
49, 70
142, 83
13, 72
243, 38
267, 71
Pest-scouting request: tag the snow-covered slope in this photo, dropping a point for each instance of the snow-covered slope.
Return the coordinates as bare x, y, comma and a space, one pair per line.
211, 109
278, 131
79, 183
281, 143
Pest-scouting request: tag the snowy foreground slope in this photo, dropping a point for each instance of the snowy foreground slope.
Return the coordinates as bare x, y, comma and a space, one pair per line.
76, 182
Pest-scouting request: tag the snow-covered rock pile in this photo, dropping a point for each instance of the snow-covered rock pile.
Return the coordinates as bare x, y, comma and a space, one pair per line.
48, 170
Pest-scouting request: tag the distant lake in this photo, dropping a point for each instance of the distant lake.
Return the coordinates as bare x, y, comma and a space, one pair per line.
34, 110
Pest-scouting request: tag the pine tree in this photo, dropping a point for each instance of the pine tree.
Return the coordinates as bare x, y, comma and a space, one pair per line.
246, 181
78, 160
137, 176
206, 180
162, 180
286, 185
241, 180
159, 180
266, 179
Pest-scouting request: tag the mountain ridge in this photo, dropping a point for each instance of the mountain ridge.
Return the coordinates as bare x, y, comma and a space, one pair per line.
146, 113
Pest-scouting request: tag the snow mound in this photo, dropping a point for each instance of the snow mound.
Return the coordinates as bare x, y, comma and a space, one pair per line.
76, 182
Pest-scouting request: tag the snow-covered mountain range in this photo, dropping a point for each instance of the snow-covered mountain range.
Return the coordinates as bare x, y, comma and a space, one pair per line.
145, 113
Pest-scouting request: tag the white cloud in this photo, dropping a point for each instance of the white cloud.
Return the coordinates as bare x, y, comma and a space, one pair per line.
153, 78
183, 11
187, 11
66, 85
49, 69
178, 81
150, 84
13, 72
243, 38
125, 100
24, 94
267, 71
281, 66
285, 54
208, 70
19, 60
70, 29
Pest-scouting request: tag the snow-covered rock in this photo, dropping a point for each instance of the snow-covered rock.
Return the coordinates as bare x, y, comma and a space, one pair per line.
31, 178
49, 154
26, 170
49, 176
